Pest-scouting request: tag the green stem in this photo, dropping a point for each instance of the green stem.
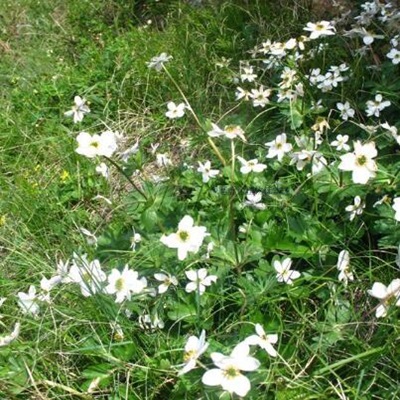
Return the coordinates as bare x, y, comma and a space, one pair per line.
233, 162
140, 191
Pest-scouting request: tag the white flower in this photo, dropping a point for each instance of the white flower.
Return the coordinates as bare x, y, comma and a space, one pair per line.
247, 74
284, 273
146, 321
396, 208
343, 261
278, 147
360, 162
322, 28
194, 348
341, 143
242, 94
47, 285
250, 166
229, 131
288, 77
6, 340
392, 130
315, 76
367, 37
228, 373
91, 239
394, 55
244, 228
29, 301
302, 158
175, 111
206, 171
88, 275
167, 280
346, 111
210, 248
125, 155
78, 110
62, 270
2, 300
189, 238
384, 199
163, 160
199, 280
278, 49
394, 41
158, 61
387, 295
135, 239
374, 107
260, 96
102, 169
318, 163
356, 209
254, 200
263, 340
329, 81
117, 332
92, 146
124, 284
291, 44
343, 265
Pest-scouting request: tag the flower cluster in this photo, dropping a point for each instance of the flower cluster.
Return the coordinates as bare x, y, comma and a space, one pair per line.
227, 373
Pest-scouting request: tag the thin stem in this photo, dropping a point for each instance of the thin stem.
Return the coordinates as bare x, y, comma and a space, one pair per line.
210, 141
140, 191
233, 161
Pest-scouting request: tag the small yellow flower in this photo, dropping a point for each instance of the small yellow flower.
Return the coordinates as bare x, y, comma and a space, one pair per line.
64, 175
3, 220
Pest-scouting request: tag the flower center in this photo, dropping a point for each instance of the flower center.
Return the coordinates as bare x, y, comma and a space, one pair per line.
391, 299
86, 277
231, 372
189, 355
95, 144
119, 284
183, 235
230, 129
362, 160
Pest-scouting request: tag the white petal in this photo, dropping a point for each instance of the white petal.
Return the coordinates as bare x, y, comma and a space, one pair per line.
278, 266
260, 330
247, 364
191, 287
186, 223
191, 275
378, 290
269, 349
381, 311
217, 357
171, 241
254, 340
202, 273
213, 377
240, 350
239, 385
394, 287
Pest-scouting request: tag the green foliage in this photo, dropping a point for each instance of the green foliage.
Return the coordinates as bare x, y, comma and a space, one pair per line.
330, 344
